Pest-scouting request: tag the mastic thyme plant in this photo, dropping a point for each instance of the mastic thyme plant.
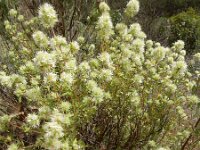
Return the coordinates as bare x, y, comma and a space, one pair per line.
116, 91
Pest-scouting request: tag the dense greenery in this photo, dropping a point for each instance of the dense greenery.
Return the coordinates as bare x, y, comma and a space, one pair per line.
186, 26
72, 82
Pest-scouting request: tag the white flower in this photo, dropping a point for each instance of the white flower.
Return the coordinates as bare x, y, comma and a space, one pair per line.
81, 39
91, 47
122, 29
94, 63
105, 26
27, 68
135, 29
96, 92
40, 39
91, 84
105, 58
54, 144
66, 78
4, 121
47, 15
15, 78
104, 7
149, 44
171, 87
44, 111
194, 99
20, 89
6, 80
74, 46
132, 8
65, 145
196, 57
183, 52
50, 78
126, 53
84, 67
106, 74
20, 18
179, 68
152, 143
179, 45
58, 42
53, 130
65, 106
13, 13
159, 53
33, 120
138, 45
44, 59
70, 65
138, 78
33, 94
60, 117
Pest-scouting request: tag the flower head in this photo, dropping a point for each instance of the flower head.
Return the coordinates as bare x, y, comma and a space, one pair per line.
13, 13
33, 120
44, 59
58, 41
105, 26
53, 130
50, 78
132, 8
40, 39
66, 78
104, 7
47, 15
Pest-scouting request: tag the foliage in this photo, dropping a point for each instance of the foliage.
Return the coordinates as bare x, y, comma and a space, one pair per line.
186, 26
116, 91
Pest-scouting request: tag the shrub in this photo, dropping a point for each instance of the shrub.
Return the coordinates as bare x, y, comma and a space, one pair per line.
186, 26
119, 92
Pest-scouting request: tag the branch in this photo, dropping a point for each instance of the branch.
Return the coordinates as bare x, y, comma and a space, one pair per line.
188, 139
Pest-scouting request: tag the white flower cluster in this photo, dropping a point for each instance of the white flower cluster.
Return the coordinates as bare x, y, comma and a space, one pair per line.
97, 93
74, 46
50, 78
105, 59
44, 59
33, 120
40, 39
13, 12
104, 24
104, 7
47, 15
58, 42
132, 8
53, 131
33, 94
66, 78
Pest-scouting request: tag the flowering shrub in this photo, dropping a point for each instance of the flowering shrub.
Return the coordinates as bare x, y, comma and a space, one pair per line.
124, 92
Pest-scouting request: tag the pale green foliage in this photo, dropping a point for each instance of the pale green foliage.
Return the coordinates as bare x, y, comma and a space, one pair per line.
125, 90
